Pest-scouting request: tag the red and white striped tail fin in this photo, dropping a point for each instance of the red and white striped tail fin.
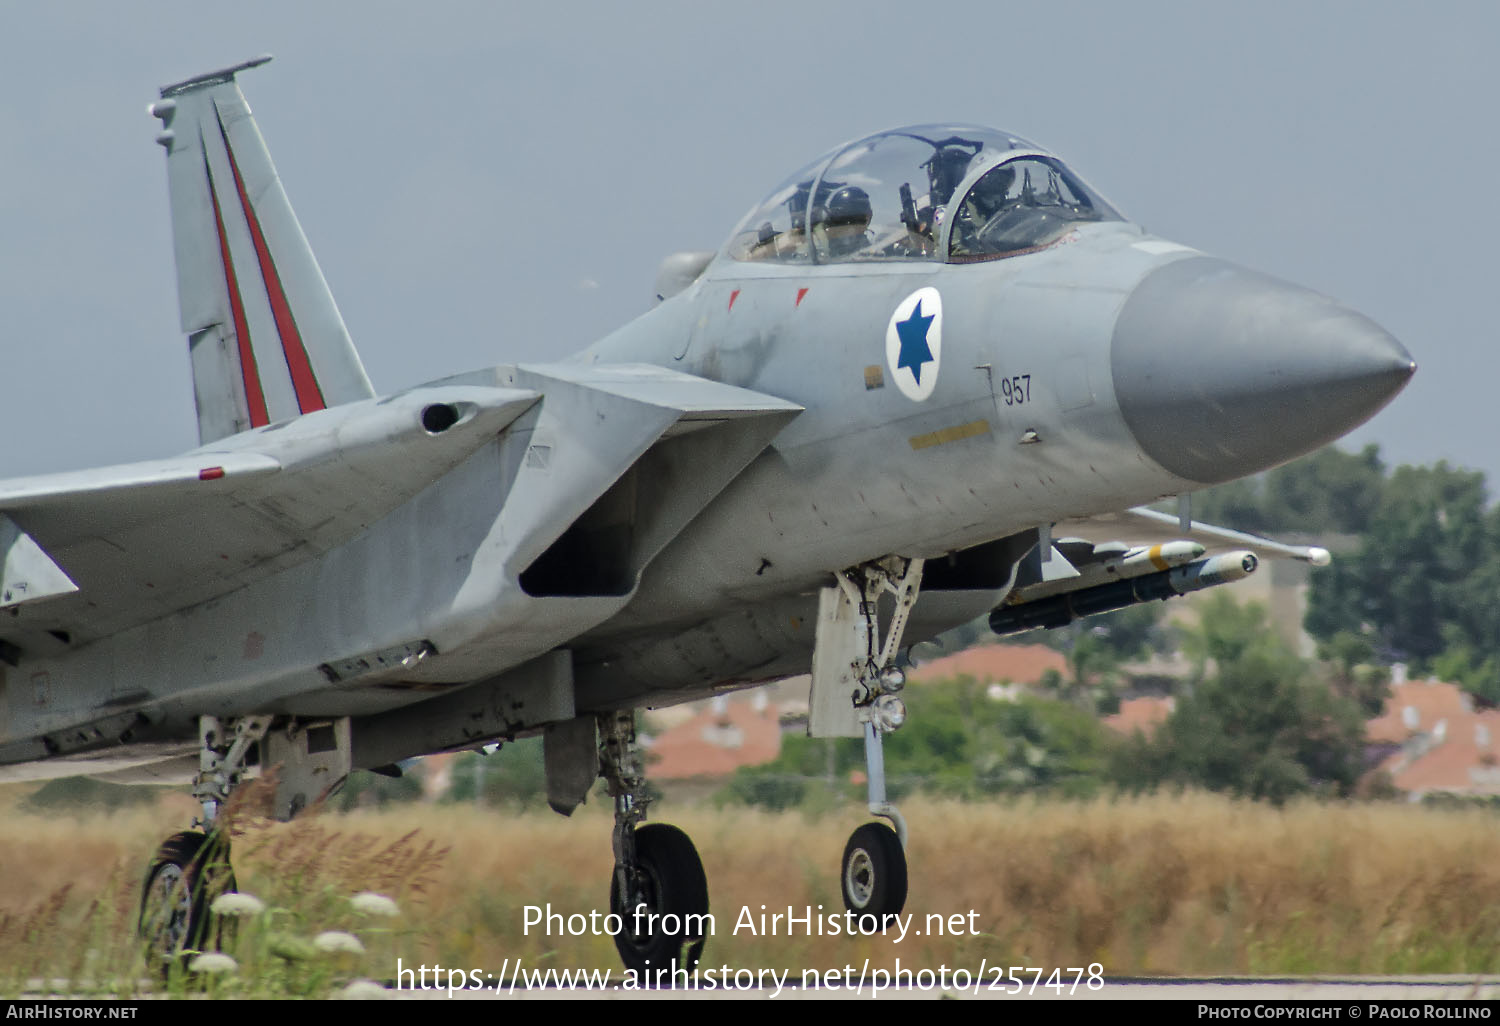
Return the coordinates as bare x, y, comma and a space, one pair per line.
265, 336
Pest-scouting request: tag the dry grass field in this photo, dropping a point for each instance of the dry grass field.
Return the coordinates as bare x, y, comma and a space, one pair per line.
1190, 884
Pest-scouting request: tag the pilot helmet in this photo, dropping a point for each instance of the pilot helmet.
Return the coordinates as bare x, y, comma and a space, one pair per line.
990, 192
945, 169
849, 206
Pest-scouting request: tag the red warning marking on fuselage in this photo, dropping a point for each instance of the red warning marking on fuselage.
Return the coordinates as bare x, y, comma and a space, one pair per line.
255, 398
732, 297
309, 395
800, 294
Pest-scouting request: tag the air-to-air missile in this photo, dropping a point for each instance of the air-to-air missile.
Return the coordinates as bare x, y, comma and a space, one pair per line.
1143, 574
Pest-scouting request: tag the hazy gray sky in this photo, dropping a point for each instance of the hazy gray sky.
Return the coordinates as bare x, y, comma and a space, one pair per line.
484, 183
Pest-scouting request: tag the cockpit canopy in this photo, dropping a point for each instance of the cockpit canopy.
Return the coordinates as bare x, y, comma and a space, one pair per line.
959, 193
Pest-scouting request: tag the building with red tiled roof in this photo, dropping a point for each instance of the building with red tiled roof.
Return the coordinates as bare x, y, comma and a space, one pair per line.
729, 732
1142, 714
435, 774
1432, 740
1462, 758
1417, 707
994, 664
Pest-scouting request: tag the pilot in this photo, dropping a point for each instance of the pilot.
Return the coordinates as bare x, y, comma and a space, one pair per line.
989, 193
986, 199
846, 221
945, 169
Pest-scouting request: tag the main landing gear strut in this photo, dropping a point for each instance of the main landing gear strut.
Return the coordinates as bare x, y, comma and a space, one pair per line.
855, 689
658, 889
191, 868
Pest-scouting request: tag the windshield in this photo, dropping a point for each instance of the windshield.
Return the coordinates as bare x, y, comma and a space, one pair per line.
1020, 206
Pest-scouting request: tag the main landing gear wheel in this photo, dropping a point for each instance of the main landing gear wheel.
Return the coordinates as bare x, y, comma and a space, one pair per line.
188, 872
874, 873
672, 896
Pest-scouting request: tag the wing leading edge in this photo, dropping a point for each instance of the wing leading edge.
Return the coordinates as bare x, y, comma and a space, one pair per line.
140, 540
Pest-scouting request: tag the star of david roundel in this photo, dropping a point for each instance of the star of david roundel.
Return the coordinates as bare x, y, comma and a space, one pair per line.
914, 343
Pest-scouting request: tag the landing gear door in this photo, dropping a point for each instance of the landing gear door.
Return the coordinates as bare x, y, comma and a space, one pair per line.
836, 652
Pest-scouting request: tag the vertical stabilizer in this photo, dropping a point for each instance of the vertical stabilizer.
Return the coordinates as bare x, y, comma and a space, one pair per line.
265, 336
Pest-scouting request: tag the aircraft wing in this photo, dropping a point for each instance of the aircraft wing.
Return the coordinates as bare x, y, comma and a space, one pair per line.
85, 554
1144, 526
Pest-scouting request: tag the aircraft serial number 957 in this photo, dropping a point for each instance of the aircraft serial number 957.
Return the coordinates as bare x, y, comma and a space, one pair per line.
1016, 390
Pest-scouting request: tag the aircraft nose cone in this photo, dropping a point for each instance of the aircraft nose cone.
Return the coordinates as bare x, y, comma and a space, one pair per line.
1221, 372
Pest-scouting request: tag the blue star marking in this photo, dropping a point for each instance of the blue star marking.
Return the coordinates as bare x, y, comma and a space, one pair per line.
914, 348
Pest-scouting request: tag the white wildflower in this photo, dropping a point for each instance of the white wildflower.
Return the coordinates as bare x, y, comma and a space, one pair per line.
338, 940
213, 962
374, 904
234, 904
357, 990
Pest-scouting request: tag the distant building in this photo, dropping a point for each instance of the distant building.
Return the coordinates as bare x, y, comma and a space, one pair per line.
1418, 708
1430, 740
435, 773
1141, 715
1025, 665
723, 734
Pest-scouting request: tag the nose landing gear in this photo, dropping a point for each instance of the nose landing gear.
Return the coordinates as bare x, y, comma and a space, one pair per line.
855, 687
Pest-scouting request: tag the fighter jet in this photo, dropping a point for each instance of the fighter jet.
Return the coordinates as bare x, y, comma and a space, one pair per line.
933, 375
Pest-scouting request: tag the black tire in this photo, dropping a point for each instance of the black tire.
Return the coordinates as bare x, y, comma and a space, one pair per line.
188, 872
674, 884
873, 873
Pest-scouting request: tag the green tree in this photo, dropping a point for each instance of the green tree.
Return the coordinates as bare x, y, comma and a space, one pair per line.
1226, 632
1238, 504
1328, 490
1256, 723
1325, 491
959, 741
1096, 647
1355, 672
1430, 558
512, 775
373, 790
1462, 664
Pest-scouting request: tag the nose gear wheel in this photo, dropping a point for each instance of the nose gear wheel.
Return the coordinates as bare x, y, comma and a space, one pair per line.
874, 873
